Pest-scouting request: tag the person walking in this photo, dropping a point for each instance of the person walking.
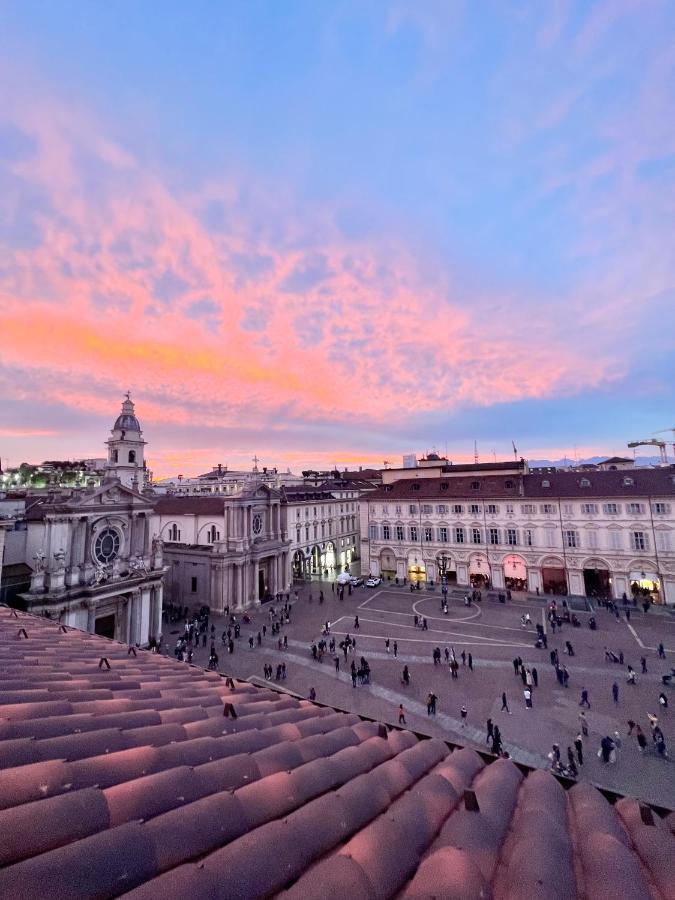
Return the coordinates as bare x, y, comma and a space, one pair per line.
386, 645
579, 748
312, 694
615, 692
356, 623
527, 694
643, 663
584, 701
463, 714
353, 671
571, 764
406, 676
490, 731
431, 704
641, 739
535, 677
496, 742
401, 715
583, 723
470, 662
395, 649
662, 651
505, 705
336, 660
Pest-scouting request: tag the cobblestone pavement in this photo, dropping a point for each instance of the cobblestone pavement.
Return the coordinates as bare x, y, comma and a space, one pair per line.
493, 634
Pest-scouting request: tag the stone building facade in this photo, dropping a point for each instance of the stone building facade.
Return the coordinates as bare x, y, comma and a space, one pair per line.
90, 554
224, 551
598, 533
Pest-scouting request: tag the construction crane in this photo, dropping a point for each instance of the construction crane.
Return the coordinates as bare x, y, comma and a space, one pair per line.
665, 431
652, 442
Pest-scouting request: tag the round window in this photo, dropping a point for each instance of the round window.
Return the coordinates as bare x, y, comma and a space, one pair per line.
106, 546
257, 524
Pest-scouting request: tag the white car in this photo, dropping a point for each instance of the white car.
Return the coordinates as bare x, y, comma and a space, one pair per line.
373, 582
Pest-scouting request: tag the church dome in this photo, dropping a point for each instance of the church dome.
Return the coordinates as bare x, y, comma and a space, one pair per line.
127, 421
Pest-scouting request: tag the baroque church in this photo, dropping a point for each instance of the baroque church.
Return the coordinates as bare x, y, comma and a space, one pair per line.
95, 563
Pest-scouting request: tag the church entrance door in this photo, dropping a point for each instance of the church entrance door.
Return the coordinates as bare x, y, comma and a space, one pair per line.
105, 626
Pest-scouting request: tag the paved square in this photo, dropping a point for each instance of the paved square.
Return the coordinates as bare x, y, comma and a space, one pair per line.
493, 634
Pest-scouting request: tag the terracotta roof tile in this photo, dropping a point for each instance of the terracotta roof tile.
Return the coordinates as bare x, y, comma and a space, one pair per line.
147, 790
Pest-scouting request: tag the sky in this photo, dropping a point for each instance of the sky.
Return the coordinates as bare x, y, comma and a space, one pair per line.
330, 233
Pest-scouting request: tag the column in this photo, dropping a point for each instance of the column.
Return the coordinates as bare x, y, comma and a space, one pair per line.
91, 616
534, 579
135, 605
239, 577
256, 581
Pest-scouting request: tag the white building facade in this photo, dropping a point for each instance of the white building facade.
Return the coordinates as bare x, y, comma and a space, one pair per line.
89, 552
601, 533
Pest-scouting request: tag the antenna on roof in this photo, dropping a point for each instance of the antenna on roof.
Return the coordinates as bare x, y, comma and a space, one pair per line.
515, 450
475, 451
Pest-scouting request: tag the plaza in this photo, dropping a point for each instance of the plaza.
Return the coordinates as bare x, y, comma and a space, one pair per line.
493, 634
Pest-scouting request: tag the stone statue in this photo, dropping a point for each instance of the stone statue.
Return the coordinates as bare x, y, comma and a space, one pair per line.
40, 560
157, 544
137, 566
100, 575
60, 558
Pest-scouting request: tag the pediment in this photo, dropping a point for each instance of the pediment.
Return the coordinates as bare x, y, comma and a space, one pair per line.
110, 494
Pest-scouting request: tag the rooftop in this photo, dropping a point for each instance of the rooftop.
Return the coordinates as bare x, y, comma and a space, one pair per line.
144, 777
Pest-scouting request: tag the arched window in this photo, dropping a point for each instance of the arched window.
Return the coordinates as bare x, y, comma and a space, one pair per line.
212, 535
113, 455
132, 456
174, 533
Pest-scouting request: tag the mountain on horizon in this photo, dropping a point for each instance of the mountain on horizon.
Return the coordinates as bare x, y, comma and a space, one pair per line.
565, 462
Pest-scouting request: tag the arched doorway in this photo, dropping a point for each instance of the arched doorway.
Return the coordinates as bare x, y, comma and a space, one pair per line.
298, 564
387, 564
479, 570
553, 576
446, 567
329, 558
597, 580
416, 568
645, 584
315, 561
515, 572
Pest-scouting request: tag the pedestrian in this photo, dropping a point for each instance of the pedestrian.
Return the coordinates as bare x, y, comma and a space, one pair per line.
401, 715
496, 742
631, 726
337, 663
463, 658
615, 692
643, 663
662, 652
584, 698
579, 747
250, 643
386, 645
523, 675
516, 664
535, 677
470, 663
406, 676
529, 681
641, 739
663, 701
505, 705
395, 649
356, 622
527, 693
425, 627
463, 714
583, 723
490, 731
431, 704
312, 694
571, 764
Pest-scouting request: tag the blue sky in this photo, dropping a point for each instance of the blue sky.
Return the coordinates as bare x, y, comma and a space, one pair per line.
331, 231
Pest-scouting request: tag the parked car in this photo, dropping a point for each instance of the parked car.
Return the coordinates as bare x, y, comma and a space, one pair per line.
356, 580
373, 582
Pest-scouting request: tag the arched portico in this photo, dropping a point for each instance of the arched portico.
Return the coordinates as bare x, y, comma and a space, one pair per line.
515, 572
597, 578
553, 575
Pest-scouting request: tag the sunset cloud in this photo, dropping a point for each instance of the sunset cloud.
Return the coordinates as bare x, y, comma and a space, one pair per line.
235, 306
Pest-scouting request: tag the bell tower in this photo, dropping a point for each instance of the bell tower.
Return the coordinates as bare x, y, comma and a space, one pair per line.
125, 448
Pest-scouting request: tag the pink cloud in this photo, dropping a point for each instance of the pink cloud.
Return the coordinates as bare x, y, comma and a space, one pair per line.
110, 299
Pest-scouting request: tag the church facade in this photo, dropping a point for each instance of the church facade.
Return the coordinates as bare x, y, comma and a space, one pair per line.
224, 550
94, 562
